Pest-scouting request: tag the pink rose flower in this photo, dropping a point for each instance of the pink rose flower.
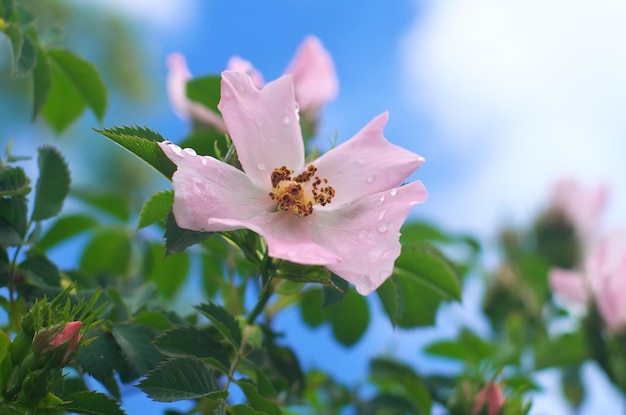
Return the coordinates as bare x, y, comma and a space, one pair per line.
343, 210
313, 71
490, 396
582, 206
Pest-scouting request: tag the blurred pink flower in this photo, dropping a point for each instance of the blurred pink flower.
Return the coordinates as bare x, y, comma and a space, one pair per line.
568, 285
582, 206
313, 71
490, 396
177, 90
343, 210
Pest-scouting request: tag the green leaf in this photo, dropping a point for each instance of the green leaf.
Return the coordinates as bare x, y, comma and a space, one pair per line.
389, 296
177, 238
223, 321
84, 77
426, 263
156, 208
206, 91
335, 293
5, 359
256, 400
114, 204
28, 57
143, 143
243, 409
66, 227
14, 33
168, 273
100, 358
91, 403
569, 349
155, 319
13, 182
180, 378
135, 341
53, 184
201, 343
39, 266
42, 82
63, 104
109, 251
207, 142
305, 273
311, 310
350, 318
389, 372
13, 221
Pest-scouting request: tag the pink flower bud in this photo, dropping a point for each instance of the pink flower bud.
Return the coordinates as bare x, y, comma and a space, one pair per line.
490, 396
57, 344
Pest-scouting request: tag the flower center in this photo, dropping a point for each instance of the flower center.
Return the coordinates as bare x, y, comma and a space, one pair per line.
300, 193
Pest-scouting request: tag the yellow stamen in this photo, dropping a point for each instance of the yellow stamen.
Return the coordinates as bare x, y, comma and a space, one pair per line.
300, 193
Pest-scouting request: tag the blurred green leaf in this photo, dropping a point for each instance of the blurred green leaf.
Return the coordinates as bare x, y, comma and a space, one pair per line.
53, 184
168, 273
91, 403
177, 239
42, 82
14, 33
155, 319
256, 400
143, 143
207, 142
389, 373
304, 273
13, 182
83, 77
156, 208
350, 318
66, 227
13, 221
64, 103
206, 91
391, 300
135, 341
42, 269
569, 349
27, 57
109, 251
242, 409
223, 321
180, 378
311, 310
114, 204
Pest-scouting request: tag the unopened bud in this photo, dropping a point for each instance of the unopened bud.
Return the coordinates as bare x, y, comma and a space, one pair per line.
55, 345
491, 397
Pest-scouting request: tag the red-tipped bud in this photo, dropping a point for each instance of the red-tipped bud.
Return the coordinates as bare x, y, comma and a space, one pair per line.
56, 344
490, 396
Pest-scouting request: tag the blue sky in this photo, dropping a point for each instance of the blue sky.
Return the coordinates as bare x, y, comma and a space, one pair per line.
501, 98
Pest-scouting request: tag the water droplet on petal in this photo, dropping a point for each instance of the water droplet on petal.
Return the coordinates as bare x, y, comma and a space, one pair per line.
267, 220
190, 151
286, 120
393, 192
204, 161
384, 227
260, 166
413, 203
381, 199
177, 150
382, 214
370, 179
384, 255
196, 189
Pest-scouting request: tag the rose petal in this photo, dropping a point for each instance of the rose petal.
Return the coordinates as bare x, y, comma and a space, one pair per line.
177, 79
365, 164
569, 285
365, 234
262, 124
314, 75
207, 190
236, 63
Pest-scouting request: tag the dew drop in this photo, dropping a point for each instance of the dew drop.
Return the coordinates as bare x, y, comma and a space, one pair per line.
177, 150
286, 120
381, 199
384, 227
190, 151
370, 179
393, 192
196, 189
260, 166
382, 214
204, 161
384, 255
413, 203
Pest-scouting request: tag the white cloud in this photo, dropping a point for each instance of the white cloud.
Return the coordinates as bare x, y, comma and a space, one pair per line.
166, 14
526, 91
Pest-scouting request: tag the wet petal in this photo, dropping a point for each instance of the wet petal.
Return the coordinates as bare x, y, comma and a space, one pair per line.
236, 63
262, 124
207, 191
177, 79
366, 164
365, 234
314, 75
